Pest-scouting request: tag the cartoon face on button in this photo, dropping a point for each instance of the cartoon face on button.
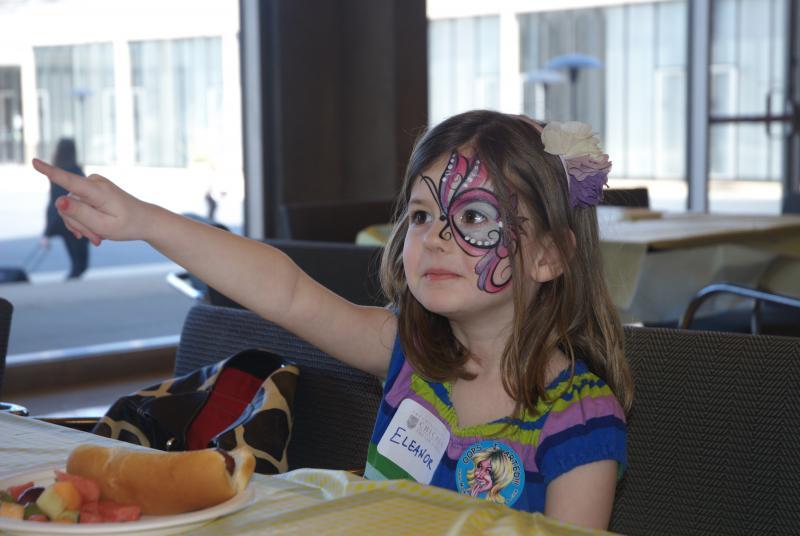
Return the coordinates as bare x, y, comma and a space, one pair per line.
492, 472
470, 212
482, 476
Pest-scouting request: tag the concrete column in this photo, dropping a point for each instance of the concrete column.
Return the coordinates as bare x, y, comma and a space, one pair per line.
698, 97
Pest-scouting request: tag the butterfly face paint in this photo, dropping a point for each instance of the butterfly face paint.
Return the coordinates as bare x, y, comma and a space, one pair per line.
473, 218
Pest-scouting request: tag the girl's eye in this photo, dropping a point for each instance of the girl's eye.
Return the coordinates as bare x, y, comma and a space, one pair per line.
477, 215
478, 222
419, 217
473, 217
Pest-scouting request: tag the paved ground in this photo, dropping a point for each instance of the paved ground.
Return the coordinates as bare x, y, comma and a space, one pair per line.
109, 305
123, 296
53, 264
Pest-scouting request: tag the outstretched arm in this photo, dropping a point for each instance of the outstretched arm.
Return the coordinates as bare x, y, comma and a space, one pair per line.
254, 274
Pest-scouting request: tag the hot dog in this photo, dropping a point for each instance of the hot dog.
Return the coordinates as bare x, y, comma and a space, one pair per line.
164, 483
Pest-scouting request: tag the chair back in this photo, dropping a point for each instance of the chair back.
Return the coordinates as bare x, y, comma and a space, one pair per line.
6, 310
335, 405
712, 436
626, 197
350, 270
331, 221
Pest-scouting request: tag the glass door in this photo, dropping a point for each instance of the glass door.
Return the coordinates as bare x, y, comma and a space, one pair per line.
753, 121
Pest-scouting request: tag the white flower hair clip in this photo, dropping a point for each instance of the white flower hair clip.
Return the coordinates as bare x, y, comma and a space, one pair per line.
587, 166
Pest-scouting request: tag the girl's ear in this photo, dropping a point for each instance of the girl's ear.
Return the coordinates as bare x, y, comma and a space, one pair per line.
548, 262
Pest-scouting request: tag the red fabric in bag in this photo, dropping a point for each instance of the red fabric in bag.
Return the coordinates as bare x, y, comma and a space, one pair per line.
233, 390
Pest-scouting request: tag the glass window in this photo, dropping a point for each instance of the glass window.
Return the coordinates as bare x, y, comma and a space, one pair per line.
11, 135
464, 65
616, 107
670, 91
75, 87
177, 92
747, 73
60, 79
640, 84
546, 35
637, 100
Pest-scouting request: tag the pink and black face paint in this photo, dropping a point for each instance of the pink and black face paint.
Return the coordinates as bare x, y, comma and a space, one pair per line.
472, 216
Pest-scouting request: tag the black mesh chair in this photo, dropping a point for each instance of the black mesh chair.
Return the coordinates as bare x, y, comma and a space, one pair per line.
349, 270
712, 435
626, 197
331, 221
6, 310
335, 405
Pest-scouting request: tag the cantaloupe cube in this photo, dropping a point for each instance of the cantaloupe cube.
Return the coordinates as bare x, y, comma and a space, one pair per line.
11, 510
70, 494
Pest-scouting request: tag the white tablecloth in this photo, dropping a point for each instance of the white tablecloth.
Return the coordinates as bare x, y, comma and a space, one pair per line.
305, 501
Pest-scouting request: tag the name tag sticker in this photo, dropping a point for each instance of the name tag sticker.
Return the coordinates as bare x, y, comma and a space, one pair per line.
415, 440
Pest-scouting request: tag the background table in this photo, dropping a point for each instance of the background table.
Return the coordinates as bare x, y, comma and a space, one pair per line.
656, 262
305, 501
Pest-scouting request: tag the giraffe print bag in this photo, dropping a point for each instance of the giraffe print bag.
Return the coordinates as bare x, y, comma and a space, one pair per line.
243, 400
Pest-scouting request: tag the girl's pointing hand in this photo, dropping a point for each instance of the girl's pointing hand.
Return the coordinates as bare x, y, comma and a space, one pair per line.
95, 207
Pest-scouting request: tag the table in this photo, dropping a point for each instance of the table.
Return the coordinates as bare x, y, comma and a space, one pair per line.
656, 262
654, 265
306, 501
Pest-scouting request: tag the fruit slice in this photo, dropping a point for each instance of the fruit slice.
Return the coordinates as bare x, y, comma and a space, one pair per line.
90, 517
67, 516
16, 491
51, 502
115, 512
89, 489
32, 510
30, 495
70, 494
12, 510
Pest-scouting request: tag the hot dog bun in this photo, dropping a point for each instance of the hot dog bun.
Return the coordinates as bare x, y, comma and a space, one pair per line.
163, 483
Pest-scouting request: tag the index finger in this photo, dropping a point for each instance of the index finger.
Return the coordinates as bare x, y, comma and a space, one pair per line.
69, 181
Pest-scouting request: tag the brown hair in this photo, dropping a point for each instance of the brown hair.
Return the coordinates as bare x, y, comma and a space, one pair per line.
573, 312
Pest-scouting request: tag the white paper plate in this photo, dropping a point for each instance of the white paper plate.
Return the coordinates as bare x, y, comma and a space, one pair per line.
149, 525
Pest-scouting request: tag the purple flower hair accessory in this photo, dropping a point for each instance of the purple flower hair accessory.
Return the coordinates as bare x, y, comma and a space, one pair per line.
586, 165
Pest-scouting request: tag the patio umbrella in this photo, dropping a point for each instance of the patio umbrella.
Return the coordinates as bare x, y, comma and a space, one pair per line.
573, 63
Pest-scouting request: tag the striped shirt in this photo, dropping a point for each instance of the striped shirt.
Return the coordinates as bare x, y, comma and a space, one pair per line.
510, 460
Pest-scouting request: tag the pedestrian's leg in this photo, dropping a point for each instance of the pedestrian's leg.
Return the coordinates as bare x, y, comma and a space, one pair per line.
78, 255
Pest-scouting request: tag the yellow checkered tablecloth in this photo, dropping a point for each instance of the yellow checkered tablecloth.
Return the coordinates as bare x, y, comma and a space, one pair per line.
305, 501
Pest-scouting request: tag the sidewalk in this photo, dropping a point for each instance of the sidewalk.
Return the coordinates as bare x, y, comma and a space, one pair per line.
109, 305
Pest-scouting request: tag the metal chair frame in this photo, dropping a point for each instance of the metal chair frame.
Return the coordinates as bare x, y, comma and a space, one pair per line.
759, 296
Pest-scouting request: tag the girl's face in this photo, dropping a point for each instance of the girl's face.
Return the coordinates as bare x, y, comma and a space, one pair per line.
456, 250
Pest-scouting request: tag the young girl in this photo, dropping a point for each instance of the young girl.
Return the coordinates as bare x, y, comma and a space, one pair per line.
502, 353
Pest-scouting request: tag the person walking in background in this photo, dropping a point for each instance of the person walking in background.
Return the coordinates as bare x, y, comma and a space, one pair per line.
66, 158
